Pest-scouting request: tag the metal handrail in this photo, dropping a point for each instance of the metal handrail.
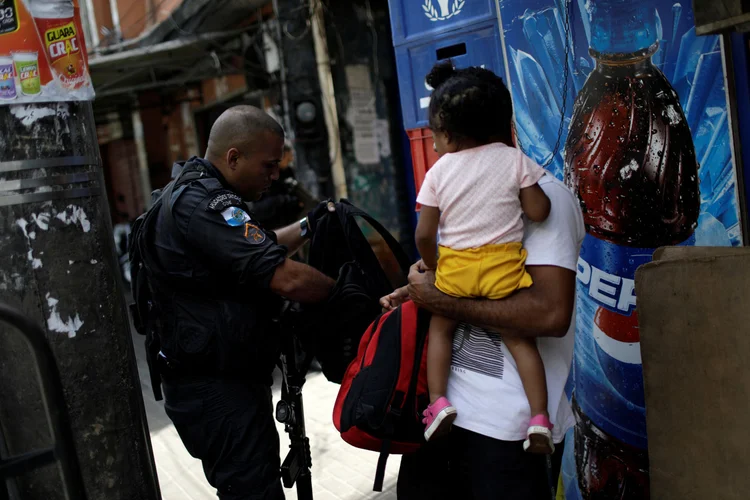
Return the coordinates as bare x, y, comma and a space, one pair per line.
62, 450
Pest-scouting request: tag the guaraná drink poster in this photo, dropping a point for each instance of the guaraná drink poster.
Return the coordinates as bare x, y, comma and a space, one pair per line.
42, 52
645, 145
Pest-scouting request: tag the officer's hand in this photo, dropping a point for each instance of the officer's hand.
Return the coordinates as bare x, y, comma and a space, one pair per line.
317, 213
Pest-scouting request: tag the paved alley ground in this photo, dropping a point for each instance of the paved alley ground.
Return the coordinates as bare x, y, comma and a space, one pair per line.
340, 471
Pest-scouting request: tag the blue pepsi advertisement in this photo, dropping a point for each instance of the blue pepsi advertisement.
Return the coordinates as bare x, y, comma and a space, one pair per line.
644, 142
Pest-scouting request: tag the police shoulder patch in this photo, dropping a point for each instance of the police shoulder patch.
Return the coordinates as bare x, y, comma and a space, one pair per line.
224, 200
254, 234
235, 216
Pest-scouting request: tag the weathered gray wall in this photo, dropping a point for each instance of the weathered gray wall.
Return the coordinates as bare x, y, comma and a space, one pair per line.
364, 72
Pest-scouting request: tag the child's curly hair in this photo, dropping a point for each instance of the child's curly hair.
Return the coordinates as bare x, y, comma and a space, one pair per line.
471, 103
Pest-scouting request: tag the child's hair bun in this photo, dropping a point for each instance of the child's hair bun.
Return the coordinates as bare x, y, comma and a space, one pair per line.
440, 73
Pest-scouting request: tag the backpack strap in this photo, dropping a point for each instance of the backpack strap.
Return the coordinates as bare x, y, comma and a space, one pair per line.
347, 210
147, 319
385, 451
423, 322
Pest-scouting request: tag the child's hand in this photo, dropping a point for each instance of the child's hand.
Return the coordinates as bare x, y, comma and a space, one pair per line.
422, 266
394, 299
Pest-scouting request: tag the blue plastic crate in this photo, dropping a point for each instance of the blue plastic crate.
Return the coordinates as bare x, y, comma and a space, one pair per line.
481, 46
415, 19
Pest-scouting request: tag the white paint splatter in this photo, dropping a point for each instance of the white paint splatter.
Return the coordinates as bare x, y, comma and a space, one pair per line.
22, 224
42, 220
627, 171
35, 263
94, 261
76, 215
12, 282
673, 115
55, 322
30, 114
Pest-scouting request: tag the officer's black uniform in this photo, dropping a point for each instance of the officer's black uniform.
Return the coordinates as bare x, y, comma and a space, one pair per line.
219, 339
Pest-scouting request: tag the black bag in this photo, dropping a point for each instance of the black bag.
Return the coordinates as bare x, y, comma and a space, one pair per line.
340, 250
143, 309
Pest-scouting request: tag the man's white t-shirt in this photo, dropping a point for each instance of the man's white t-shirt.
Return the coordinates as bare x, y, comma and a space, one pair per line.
484, 384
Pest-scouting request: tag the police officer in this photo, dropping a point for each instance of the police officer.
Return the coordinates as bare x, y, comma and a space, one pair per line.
218, 295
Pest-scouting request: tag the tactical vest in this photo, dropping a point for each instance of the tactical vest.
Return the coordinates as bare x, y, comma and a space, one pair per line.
203, 323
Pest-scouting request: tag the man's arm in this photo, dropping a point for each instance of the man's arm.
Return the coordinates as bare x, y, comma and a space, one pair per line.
291, 237
301, 283
544, 310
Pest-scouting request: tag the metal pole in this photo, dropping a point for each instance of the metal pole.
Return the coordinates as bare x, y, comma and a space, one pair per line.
328, 97
140, 145
115, 20
59, 269
282, 73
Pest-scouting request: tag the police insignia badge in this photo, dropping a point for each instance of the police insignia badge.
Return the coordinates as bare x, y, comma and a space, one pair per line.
254, 234
235, 216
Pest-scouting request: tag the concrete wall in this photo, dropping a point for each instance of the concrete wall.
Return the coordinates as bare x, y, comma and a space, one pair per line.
695, 340
366, 86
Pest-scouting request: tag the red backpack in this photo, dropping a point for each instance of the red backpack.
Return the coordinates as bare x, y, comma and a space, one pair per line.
384, 391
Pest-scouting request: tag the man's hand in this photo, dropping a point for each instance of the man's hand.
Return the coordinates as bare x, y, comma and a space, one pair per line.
394, 299
421, 286
318, 212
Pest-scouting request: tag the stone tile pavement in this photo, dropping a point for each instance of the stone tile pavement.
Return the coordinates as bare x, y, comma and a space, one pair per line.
340, 471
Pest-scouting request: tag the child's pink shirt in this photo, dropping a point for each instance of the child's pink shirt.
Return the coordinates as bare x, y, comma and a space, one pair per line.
477, 192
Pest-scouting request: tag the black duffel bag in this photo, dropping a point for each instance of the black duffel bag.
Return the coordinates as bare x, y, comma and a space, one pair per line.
340, 250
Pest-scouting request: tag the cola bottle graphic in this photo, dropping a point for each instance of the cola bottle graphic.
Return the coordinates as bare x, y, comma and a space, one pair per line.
630, 159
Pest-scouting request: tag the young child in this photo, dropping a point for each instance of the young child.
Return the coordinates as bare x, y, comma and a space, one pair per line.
476, 194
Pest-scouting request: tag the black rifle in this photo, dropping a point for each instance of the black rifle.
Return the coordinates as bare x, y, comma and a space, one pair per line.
294, 364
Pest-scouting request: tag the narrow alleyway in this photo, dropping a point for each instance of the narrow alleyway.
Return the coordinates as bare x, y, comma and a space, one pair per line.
339, 470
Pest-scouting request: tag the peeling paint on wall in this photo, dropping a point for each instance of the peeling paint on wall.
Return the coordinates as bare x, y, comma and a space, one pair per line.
73, 215
55, 323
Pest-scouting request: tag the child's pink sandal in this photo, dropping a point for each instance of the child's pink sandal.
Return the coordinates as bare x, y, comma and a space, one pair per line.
539, 436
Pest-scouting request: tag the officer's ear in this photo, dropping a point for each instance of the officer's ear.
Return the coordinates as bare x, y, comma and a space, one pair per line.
233, 155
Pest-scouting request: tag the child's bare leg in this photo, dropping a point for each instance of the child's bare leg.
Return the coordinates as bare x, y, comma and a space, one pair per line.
439, 352
531, 371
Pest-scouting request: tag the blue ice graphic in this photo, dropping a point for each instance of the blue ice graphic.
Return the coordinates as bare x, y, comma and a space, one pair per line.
535, 42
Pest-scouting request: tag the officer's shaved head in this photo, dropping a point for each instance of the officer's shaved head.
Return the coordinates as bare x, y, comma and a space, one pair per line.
245, 145
240, 127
